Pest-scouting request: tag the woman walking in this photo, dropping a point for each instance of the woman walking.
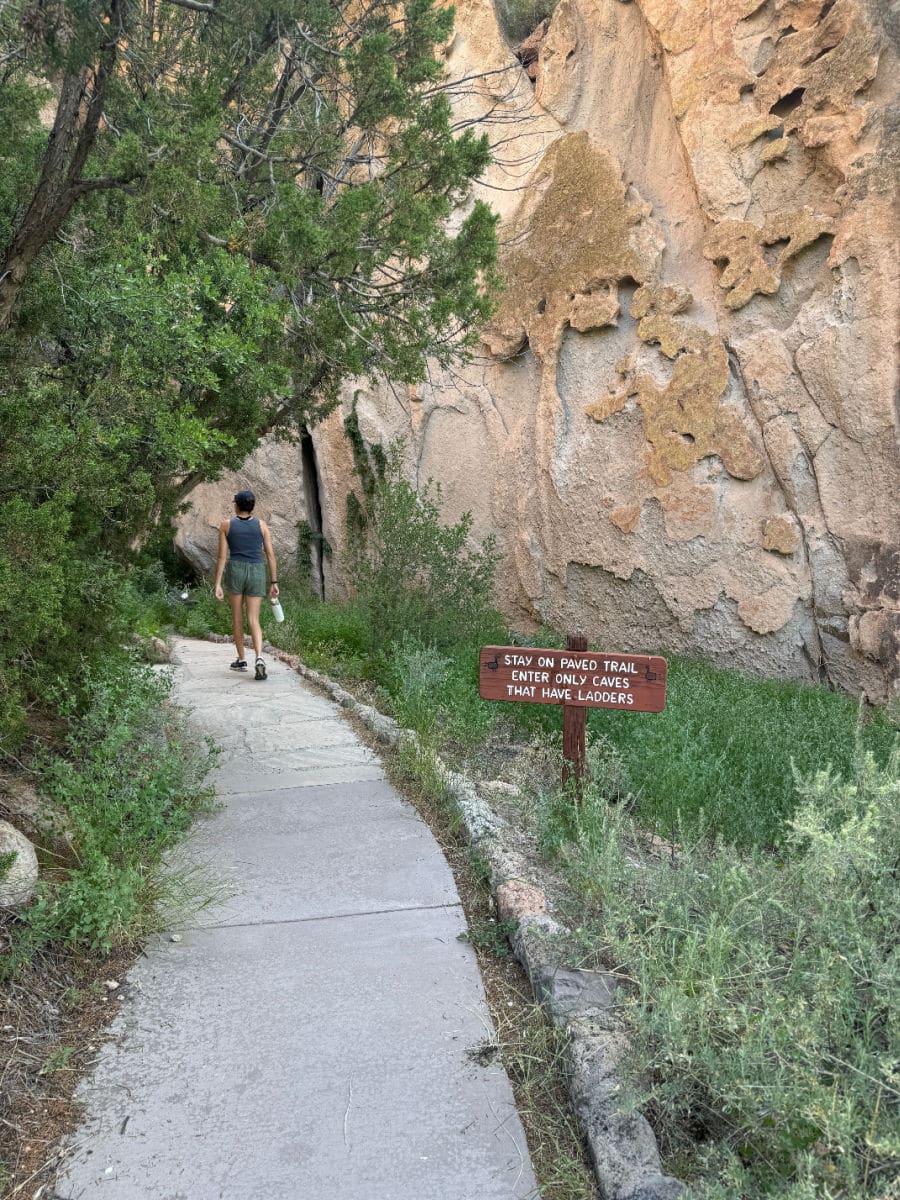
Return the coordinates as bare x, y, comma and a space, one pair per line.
242, 541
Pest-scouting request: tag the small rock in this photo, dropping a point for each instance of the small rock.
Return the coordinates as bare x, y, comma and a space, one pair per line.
570, 992
517, 899
111, 984
174, 937
18, 882
161, 649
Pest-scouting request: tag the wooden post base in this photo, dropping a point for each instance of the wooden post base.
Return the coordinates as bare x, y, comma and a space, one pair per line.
574, 727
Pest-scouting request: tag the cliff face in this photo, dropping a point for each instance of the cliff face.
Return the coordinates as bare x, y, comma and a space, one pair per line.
682, 424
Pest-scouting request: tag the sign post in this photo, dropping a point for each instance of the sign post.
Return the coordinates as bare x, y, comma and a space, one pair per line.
576, 678
574, 726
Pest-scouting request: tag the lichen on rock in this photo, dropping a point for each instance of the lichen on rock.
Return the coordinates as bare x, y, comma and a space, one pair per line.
684, 419
570, 243
739, 244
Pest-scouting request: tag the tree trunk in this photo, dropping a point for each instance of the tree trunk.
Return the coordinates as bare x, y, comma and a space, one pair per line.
60, 185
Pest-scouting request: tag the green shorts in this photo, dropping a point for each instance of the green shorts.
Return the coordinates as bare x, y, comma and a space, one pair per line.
245, 578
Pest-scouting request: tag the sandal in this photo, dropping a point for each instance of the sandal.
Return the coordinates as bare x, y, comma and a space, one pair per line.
260, 669
239, 664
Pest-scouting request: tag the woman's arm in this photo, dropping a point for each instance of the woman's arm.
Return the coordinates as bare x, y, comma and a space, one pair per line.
270, 555
223, 555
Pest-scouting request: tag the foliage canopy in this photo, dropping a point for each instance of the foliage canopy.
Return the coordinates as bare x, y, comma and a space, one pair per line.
211, 213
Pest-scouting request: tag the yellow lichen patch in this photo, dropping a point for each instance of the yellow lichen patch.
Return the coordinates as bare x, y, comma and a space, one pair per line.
684, 420
781, 535
799, 229
594, 310
751, 130
775, 150
739, 244
606, 406
568, 249
746, 272
665, 299
672, 336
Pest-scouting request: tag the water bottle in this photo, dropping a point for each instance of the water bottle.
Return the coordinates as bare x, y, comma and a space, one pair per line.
277, 610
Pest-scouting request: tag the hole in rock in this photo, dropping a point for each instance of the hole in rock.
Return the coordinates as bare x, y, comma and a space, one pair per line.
542, 305
312, 494
687, 438
759, 16
825, 50
627, 288
789, 103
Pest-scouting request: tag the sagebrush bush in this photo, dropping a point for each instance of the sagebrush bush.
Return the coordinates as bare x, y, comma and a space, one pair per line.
763, 989
519, 18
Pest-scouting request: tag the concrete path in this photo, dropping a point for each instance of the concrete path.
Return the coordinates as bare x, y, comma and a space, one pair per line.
307, 1040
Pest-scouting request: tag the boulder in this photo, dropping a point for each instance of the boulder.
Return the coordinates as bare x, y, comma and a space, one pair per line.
274, 472
44, 823
18, 879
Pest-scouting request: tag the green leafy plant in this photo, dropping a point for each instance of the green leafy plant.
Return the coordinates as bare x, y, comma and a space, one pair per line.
416, 575
130, 780
58, 1061
491, 935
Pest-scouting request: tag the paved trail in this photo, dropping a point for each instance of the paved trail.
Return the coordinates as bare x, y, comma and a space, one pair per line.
308, 1039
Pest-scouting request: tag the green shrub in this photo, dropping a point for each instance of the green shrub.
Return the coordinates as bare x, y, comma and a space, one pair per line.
763, 990
519, 18
437, 694
130, 780
330, 636
416, 576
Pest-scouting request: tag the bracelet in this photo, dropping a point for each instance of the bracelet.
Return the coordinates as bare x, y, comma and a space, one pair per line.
273, 583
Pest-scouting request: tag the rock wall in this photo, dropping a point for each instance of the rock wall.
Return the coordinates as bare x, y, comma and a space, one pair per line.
682, 424
274, 473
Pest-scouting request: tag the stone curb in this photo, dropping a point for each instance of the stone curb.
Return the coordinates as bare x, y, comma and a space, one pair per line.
580, 1003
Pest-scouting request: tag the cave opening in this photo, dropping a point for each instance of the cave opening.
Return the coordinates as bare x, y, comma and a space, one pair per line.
312, 494
788, 104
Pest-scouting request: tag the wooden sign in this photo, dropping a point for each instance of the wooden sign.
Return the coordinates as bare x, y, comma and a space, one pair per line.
573, 677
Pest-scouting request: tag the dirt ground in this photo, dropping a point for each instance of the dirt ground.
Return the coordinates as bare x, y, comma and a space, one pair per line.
53, 1019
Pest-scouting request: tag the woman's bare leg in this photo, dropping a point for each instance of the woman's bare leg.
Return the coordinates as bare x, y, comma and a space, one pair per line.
237, 623
253, 607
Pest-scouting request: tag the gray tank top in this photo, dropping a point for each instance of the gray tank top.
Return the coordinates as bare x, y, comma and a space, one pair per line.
245, 539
